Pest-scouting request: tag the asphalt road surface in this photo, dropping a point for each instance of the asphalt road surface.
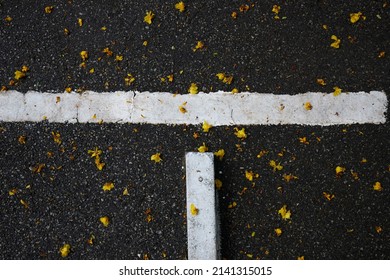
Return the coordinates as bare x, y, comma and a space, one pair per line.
51, 190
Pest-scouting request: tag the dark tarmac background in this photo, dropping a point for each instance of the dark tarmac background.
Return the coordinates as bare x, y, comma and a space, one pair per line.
64, 201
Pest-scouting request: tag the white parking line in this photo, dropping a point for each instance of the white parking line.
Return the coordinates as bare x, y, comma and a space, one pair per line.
217, 108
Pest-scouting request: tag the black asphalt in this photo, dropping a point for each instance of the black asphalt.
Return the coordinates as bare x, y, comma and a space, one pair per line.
65, 200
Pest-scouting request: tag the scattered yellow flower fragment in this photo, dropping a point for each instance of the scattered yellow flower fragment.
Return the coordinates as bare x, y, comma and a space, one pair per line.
218, 184
337, 91
308, 106
328, 196
321, 82
203, 148
381, 54
105, 221
65, 250
278, 231
149, 17
224, 78
125, 191
234, 15
108, 186
303, 140
286, 214
19, 75
354, 17
8, 19
49, 9
80, 22
336, 42
339, 170
378, 229
276, 10
377, 186
56, 137
275, 166
193, 210
24, 203
220, 154
235, 90
68, 89
119, 58
182, 109
301, 258
180, 6
22, 139
240, 133
156, 157
84, 55
129, 79
99, 164
107, 51
24, 68
199, 45
12, 192
250, 175
232, 205
104, 28
206, 126
289, 177
193, 89
95, 152
262, 153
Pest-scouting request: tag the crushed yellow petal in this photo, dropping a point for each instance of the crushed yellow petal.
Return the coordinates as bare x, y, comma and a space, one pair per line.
308, 106
199, 45
337, 91
301, 258
328, 196
129, 79
286, 214
19, 75
125, 191
321, 82
108, 186
225, 78
303, 140
25, 68
234, 15
240, 133
84, 55
232, 205
250, 175
8, 19
381, 54
180, 6
336, 42
104, 28
220, 154
193, 89
12, 192
278, 231
193, 210
234, 90
275, 166
378, 229
105, 221
364, 160
80, 22
206, 126
218, 184
182, 109
339, 170
65, 250
49, 9
107, 51
377, 186
56, 137
24, 203
262, 153
95, 152
149, 17
354, 17
276, 9
22, 139
203, 148
68, 89
99, 164
156, 157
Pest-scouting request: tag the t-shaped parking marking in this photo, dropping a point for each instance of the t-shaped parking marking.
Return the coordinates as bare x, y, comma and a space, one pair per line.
202, 226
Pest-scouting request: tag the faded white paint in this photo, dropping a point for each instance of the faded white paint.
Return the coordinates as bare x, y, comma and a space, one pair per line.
217, 108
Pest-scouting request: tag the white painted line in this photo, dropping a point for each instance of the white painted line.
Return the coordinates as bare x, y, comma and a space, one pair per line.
217, 108
202, 227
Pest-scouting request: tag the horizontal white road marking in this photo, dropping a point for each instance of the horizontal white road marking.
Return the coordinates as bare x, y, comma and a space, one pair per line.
217, 108
202, 234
